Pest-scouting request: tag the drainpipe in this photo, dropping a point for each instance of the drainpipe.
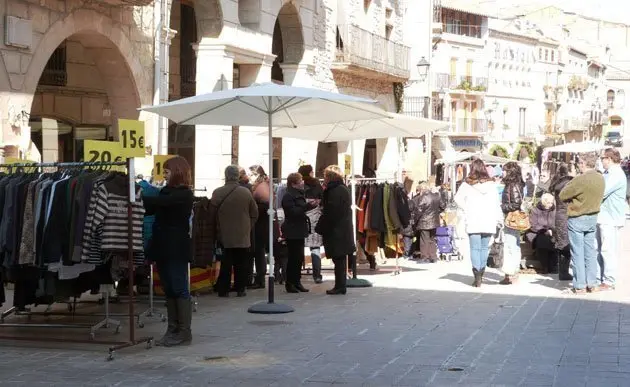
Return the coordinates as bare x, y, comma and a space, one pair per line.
161, 71
157, 69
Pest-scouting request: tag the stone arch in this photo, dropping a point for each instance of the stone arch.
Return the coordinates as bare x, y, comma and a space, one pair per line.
106, 36
290, 24
249, 12
209, 14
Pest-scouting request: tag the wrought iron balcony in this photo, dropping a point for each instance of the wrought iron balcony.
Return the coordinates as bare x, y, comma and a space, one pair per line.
465, 83
363, 52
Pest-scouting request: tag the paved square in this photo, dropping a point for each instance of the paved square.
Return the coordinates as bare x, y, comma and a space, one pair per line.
425, 327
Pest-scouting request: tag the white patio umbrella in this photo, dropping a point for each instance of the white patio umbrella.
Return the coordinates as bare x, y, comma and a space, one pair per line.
268, 105
392, 125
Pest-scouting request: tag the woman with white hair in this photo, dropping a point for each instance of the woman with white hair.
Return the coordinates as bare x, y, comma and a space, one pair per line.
542, 219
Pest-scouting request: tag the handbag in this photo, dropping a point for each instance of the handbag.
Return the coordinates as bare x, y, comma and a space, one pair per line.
495, 255
517, 220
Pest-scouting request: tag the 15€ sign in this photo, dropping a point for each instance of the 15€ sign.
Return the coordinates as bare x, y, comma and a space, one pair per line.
158, 166
131, 138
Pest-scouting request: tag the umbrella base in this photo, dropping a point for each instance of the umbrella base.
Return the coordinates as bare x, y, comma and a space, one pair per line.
270, 308
358, 283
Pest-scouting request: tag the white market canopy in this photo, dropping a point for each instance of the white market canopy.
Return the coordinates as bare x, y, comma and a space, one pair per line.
575, 147
393, 125
267, 105
463, 157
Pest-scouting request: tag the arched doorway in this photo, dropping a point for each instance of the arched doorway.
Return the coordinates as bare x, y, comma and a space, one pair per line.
288, 47
183, 75
85, 86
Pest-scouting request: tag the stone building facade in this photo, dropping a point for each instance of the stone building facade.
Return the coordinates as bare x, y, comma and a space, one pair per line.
71, 68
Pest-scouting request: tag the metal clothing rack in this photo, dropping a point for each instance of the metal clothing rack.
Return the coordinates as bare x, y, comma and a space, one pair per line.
397, 268
115, 345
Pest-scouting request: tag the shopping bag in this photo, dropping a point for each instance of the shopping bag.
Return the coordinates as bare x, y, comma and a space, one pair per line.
495, 255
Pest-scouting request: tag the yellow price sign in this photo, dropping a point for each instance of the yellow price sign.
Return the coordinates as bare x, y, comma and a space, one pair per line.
13, 160
158, 166
103, 152
131, 138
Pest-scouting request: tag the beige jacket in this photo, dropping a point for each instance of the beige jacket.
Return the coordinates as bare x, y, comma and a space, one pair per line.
237, 214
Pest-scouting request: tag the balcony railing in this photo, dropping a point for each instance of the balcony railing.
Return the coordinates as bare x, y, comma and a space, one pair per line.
466, 83
370, 51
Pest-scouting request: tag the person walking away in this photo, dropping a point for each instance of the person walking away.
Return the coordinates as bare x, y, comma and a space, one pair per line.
511, 200
427, 204
313, 192
335, 225
557, 183
171, 247
295, 229
408, 233
260, 189
478, 200
541, 234
584, 194
611, 218
236, 213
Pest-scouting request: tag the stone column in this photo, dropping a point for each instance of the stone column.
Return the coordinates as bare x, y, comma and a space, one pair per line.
295, 151
213, 143
253, 148
50, 140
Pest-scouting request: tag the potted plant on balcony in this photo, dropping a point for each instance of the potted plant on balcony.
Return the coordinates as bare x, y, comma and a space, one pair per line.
480, 88
465, 85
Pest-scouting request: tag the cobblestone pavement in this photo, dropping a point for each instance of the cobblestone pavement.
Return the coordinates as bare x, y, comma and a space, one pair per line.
425, 327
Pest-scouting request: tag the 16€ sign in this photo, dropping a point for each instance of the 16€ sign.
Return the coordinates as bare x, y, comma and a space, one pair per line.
131, 138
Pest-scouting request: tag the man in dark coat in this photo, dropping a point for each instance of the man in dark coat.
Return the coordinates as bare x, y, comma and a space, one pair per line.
557, 183
427, 220
335, 225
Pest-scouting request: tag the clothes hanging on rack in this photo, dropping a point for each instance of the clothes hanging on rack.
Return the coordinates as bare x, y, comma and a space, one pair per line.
382, 213
64, 233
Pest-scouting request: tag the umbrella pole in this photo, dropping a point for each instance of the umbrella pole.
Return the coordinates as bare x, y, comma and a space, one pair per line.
270, 307
354, 282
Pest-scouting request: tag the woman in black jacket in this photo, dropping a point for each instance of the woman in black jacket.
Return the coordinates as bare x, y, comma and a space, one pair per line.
171, 247
335, 225
313, 191
558, 182
511, 200
295, 228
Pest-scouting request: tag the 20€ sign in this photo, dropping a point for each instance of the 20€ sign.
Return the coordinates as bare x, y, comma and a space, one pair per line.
102, 152
131, 137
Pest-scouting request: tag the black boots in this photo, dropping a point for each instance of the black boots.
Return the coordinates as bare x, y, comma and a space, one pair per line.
564, 263
478, 277
183, 335
171, 330
340, 277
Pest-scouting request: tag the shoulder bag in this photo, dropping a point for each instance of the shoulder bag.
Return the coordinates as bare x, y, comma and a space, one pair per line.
516, 220
495, 255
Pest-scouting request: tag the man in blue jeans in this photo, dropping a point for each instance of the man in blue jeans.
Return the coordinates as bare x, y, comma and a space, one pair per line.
584, 195
611, 218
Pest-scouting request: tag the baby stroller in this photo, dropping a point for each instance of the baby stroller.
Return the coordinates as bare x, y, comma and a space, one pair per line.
445, 237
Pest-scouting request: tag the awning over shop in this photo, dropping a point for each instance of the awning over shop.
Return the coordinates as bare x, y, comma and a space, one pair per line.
462, 157
575, 147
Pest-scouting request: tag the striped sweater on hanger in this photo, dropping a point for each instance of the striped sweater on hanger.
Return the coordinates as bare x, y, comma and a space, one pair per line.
107, 225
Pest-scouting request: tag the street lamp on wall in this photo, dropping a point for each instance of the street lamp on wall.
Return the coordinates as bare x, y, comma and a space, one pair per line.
107, 110
423, 68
